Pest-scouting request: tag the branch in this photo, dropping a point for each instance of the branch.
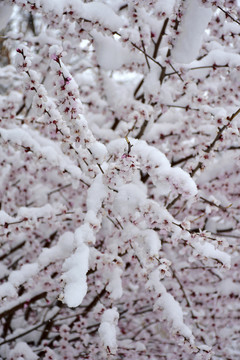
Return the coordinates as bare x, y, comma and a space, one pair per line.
214, 66
182, 107
148, 65
148, 56
155, 52
143, 128
217, 137
46, 322
159, 40
21, 304
58, 189
179, 161
223, 208
15, 248
228, 15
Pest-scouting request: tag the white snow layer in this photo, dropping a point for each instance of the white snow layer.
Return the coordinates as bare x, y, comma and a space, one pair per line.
42, 147
93, 11
61, 250
18, 277
22, 352
170, 308
209, 251
115, 283
193, 24
75, 269
5, 14
107, 329
7, 289
111, 54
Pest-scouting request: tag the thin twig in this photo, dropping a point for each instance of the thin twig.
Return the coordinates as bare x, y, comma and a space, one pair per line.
228, 15
217, 137
150, 57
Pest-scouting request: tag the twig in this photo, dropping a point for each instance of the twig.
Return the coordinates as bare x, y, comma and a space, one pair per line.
159, 40
142, 129
129, 144
217, 137
148, 65
223, 208
28, 330
228, 15
15, 248
58, 189
179, 161
21, 304
150, 57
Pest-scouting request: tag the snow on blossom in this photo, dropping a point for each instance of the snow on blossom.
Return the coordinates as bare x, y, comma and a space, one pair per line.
75, 268
84, 234
22, 351
129, 198
5, 218
188, 43
7, 289
171, 308
152, 241
34, 213
96, 193
107, 329
74, 275
18, 277
63, 248
209, 251
111, 54
5, 14
119, 179
115, 283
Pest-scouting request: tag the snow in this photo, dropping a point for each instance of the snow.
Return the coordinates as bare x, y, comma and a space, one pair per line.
54, 5
62, 249
7, 289
162, 174
96, 193
5, 14
98, 151
74, 275
27, 271
152, 241
165, 6
228, 286
5, 218
173, 312
107, 329
192, 27
42, 147
182, 181
20, 300
217, 56
5, 172
22, 352
34, 213
84, 234
171, 309
129, 344
111, 54
102, 13
115, 283
121, 230
218, 168
129, 198
208, 250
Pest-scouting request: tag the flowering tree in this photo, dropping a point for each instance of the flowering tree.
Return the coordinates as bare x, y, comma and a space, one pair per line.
119, 220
